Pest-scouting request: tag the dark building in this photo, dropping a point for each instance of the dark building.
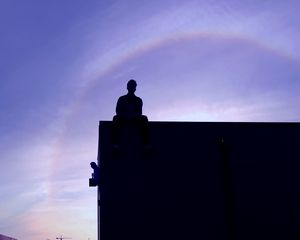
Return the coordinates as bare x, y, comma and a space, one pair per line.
201, 180
3, 237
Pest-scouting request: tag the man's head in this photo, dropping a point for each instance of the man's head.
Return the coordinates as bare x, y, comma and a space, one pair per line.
93, 165
131, 86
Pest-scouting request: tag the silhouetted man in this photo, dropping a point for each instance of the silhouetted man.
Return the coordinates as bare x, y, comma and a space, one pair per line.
129, 110
95, 175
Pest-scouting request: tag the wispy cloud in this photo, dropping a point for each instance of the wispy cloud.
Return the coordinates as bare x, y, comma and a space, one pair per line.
61, 73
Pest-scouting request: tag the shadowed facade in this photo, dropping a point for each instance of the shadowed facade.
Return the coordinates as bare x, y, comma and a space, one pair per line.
201, 180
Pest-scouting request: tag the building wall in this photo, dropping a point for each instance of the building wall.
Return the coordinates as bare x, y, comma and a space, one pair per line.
201, 181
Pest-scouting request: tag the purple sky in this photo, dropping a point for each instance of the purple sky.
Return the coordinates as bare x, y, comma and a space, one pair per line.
63, 64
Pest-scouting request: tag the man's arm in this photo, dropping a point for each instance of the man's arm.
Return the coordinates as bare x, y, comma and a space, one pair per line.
119, 107
140, 107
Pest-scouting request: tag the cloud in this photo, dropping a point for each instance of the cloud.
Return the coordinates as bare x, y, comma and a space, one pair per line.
195, 61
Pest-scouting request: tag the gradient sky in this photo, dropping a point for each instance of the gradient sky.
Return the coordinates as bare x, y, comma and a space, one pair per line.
64, 63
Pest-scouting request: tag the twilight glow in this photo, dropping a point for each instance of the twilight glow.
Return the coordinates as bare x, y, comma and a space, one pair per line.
63, 65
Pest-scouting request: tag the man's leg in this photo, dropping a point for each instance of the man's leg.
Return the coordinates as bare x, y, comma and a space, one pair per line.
143, 124
118, 122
